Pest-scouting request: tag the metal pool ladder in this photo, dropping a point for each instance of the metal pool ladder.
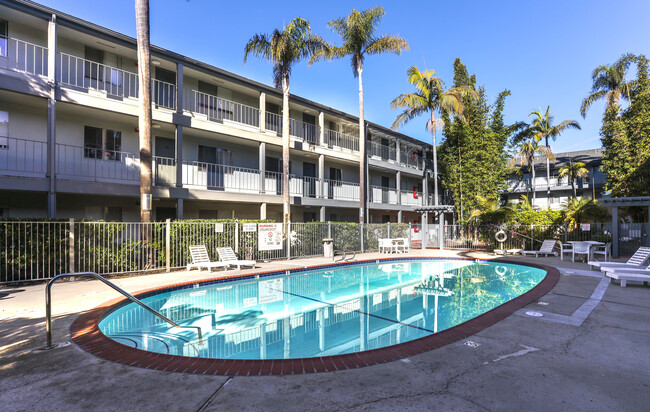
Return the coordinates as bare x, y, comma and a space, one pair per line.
48, 304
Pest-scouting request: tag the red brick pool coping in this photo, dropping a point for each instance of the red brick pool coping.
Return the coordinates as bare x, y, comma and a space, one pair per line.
85, 333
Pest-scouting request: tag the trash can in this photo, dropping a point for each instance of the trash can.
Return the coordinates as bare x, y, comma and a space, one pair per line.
328, 247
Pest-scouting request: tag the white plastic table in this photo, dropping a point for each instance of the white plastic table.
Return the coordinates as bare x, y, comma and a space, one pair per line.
590, 244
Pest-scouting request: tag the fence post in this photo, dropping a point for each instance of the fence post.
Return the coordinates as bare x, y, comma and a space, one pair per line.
71, 245
361, 229
566, 232
168, 242
410, 236
236, 236
289, 241
441, 232
388, 231
329, 229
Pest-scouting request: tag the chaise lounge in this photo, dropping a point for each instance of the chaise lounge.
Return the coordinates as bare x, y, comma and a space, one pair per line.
200, 259
545, 250
227, 256
635, 262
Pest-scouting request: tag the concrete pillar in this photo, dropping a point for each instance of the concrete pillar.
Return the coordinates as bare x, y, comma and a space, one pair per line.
262, 112
398, 185
615, 231
399, 216
321, 176
425, 191
322, 214
321, 125
179, 208
441, 231
179, 155
51, 117
179, 88
398, 150
262, 165
263, 211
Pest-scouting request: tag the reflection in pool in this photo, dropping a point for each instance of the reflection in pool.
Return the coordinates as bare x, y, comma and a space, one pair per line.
321, 312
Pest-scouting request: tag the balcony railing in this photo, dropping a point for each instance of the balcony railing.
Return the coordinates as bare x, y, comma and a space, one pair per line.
412, 198
305, 131
21, 157
97, 165
412, 159
77, 72
216, 108
383, 152
380, 194
221, 177
163, 94
25, 57
340, 190
342, 140
164, 171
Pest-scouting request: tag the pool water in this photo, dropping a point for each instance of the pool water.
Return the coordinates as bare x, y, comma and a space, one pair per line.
320, 312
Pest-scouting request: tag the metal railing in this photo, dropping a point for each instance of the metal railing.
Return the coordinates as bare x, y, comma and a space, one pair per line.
78, 72
410, 197
305, 131
341, 190
216, 108
26, 57
380, 194
21, 157
86, 163
342, 140
163, 94
221, 177
48, 305
164, 171
383, 152
412, 159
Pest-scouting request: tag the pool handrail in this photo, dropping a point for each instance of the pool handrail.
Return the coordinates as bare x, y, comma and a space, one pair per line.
48, 304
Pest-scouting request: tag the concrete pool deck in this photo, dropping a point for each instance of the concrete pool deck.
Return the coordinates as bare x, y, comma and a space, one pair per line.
590, 351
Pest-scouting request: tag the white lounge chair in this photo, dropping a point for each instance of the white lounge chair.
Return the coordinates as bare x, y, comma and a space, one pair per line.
387, 246
227, 255
200, 259
402, 245
636, 261
623, 277
636, 269
546, 249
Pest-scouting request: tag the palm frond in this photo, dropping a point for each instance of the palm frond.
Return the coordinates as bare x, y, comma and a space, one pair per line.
259, 45
387, 44
589, 100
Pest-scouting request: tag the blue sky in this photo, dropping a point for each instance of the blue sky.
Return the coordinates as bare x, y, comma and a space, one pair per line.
544, 52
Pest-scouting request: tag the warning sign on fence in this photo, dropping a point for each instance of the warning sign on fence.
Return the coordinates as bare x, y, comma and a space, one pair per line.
249, 227
586, 227
269, 236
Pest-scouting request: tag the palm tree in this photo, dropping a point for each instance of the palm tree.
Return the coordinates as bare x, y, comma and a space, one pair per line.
542, 128
357, 31
583, 210
573, 171
144, 115
284, 48
609, 82
429, 97
527, 152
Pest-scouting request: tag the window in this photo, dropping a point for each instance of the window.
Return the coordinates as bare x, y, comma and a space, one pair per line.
102, 144
4, 130
113, 214
4, 34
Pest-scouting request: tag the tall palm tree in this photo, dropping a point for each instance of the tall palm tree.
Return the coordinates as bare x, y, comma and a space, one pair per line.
429, 97
573, 171
144, 113
284, 48
527, 152
609, 82
357, 31
542, 128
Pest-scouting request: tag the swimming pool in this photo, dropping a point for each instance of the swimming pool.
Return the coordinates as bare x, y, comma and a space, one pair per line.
321, 312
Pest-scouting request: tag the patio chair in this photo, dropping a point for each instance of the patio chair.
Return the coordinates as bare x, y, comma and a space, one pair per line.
387, 246
565, 248
580, 248
546, 249
402, 245
200, 259
635, 262
605, 251
227, 255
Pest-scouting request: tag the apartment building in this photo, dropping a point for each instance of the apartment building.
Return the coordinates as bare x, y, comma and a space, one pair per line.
69, 136
591, 186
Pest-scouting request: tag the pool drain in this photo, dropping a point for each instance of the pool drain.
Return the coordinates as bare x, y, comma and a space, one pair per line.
534, 314
472, 344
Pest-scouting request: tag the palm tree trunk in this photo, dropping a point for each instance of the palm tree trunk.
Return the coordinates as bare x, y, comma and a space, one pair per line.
548, 179
573, 186
362, 151
532, 180
144, 114
285, 155
435, 159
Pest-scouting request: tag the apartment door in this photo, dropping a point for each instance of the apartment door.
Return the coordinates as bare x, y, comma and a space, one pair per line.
385, 185
384, 148
309, 172
164, 161
164, 93
309, 128
210, 173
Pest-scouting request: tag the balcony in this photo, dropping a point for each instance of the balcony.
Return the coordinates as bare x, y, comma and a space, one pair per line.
301, 130
379, 194
25, 57
342, 140
219, 110
412, 198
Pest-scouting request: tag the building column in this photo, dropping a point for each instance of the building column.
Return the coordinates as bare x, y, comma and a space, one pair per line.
51, 117
615, 231
321, 176
263, 211
322, 214
179, 88
399, 216
179, 208
425, 191
262, 112
262, 166
398, 150
321, 126
398, 185
178, 135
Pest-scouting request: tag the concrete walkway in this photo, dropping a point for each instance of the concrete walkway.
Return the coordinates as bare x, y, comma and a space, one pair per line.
588, 351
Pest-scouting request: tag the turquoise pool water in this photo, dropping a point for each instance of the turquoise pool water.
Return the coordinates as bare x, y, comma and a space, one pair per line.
321, 312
